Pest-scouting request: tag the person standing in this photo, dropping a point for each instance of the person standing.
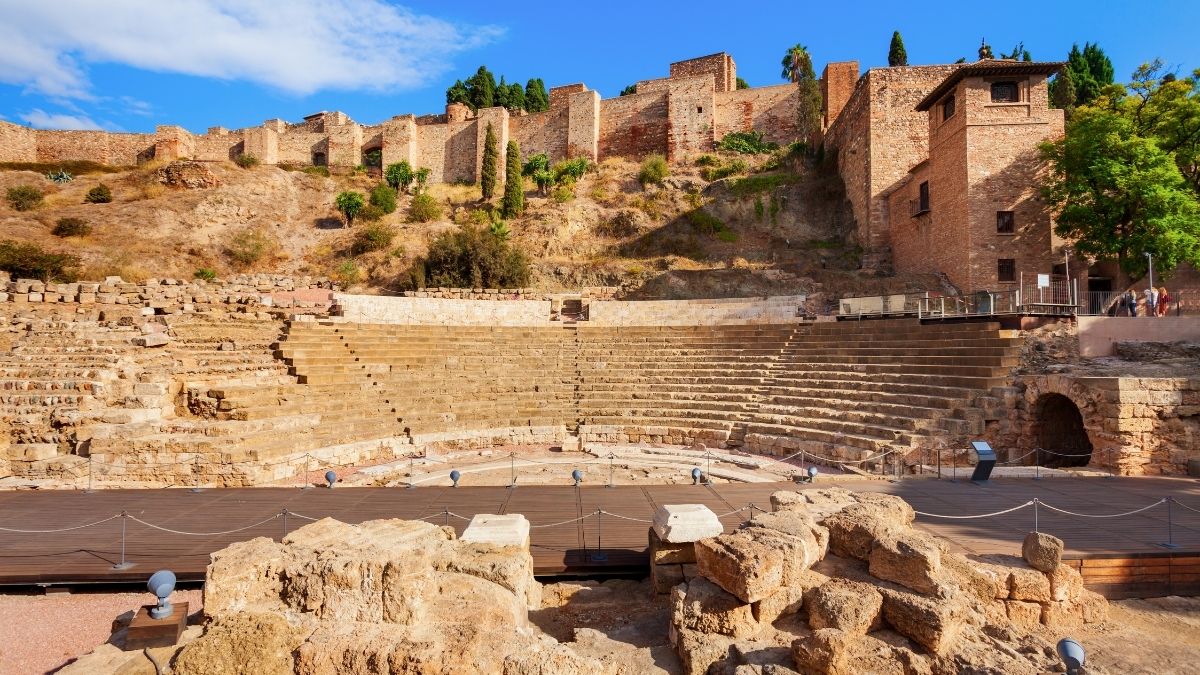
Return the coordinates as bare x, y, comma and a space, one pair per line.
1150, 301
1131, 303
1164, 301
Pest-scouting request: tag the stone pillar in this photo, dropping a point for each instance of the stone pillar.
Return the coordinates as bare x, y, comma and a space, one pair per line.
263, 143
498, 118
344, 144
173, 142
583, 125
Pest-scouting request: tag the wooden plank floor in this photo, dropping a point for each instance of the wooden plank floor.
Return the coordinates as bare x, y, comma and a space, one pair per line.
87, 555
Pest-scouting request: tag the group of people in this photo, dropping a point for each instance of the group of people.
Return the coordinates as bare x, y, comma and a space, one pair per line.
1156, 303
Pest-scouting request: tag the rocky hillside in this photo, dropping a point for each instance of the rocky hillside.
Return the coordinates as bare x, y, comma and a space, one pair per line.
764, 224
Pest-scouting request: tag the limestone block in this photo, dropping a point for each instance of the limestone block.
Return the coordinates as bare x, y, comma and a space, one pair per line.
1091, 606
500, 530
849, 606
665, 577
662, 552
680, 523
153, 340
854, 530
703, 606
786, 601
741, 564
1065, 584
910, 558
34, 297
1042, 551
698, 651
32, 452
1025, 615
1028, 584
934, 623
824, 652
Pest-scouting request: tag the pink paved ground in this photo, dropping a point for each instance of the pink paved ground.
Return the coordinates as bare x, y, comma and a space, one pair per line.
40, 633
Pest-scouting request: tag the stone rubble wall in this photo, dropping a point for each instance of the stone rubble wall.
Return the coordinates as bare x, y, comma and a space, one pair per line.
722, 311
444, 312
172, 296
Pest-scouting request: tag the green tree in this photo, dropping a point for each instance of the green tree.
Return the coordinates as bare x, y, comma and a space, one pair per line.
481, 88
1119, 195
399, 175
629, 89
349, 203
516, 97
741, 84
491, 154
536, 98
1018, 53
421, 178
797, 67
471, 257
383, 197
500, 98
1167, 108
458, 93
514, 189
1062, 91
985, 50
897, 56
1091, 72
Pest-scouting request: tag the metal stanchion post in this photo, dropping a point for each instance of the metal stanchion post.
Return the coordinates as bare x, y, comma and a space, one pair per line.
708, 472
512, 469
89, 489
953, 466
1035, 514
410, 485
123, 565
447, 515
284, 513
1037, 464
1170, 527
610, 470
599, 555
305, 485
196, 473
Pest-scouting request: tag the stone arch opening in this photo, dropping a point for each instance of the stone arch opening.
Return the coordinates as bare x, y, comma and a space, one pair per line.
1059, 431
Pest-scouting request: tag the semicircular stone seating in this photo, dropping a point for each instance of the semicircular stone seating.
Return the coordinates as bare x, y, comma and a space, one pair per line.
352, 393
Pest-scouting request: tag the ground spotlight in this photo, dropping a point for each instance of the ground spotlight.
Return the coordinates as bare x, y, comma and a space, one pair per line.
812, 474
1071, 653
454, 476
577, 476
161, 584
696, 474
331, 478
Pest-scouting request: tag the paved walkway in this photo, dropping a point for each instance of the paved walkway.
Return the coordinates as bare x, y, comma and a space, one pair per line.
88, 554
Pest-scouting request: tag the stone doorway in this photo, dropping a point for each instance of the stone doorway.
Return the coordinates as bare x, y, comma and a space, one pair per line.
1059, 431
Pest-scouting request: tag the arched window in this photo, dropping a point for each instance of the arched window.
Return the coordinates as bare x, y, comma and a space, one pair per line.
1005, 92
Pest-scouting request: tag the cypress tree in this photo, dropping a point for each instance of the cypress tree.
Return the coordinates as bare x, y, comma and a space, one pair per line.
482, 87
536, 98
500, 98
896, 54
516, 97
457, 93
1062, 91
487, 174
514, 189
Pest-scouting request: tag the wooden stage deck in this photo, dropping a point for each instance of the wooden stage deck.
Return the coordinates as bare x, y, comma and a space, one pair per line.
87, 555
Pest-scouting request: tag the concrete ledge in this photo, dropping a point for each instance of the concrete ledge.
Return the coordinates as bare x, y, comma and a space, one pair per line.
506, 530
682, 523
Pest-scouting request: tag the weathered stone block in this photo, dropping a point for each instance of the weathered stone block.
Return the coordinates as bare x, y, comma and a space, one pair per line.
1042, 551
824, 652
909, 558
849, 606
705, 607
499, 530
680, 523
741, 564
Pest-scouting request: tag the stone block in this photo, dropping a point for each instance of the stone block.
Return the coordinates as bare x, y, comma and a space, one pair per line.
1026, 615
849, 606
153, 340
665, 577
681, 523
662, 552
1028, 584
32, 452
786, 601
1042, 551
703, 606
824, 652
910, 558
1065, 584
741, 564
934, 623
499, 530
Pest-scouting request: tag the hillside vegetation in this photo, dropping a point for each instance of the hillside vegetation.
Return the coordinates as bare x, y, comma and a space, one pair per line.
724, 224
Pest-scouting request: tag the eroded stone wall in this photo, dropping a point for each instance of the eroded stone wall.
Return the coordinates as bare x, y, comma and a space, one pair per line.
771, 110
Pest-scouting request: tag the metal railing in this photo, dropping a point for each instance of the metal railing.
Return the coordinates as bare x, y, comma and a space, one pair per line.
1110, 303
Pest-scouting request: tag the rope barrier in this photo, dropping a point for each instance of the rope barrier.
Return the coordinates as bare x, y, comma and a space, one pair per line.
1014, 461
980, 515
1106, 515
1176, 502
564, 522
203, 534
64, 529
617, 515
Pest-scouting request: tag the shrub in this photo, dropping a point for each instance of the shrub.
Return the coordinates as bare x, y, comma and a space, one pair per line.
708, 160
59, 177
349, 204
316, 171
383, 197
370, 213
574, 169
536, 163
423, 209
24, 197
754, 185
71, 227
246, 161
747, 143
205, 273
654, 170
249, 246
543, 179
101, 194
513, 204
421, 178
471, 257
731, 168
346, 274
399, 175
30, 261
480, 217
499, 230
705, 223
373, 237
563, 193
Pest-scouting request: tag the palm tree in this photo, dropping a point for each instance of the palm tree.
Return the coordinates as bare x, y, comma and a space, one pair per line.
791, 62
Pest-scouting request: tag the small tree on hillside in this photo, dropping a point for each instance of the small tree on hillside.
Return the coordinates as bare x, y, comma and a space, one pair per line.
514, 189
349, 203
399, 175
799, 69
491, 154
896, 54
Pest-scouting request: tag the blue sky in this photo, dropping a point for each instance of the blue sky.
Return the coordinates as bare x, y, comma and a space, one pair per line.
129, 65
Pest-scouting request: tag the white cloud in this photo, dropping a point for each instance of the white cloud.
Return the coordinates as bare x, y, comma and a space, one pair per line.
41, 119
298, 46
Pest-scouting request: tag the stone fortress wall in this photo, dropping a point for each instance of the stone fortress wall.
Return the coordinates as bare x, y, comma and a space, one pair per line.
677, 116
